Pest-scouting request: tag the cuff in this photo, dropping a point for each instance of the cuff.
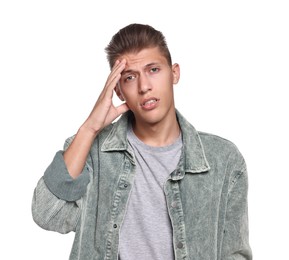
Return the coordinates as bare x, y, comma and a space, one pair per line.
61, 184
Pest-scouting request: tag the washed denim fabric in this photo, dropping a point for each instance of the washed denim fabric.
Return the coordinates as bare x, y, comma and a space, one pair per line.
206, 197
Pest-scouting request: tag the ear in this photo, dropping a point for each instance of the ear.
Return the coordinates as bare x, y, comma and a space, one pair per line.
176, 73
118, 92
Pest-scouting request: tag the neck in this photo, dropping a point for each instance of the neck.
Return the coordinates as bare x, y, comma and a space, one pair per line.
159, 134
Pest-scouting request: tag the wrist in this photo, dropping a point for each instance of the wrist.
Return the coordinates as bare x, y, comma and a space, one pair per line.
87, 131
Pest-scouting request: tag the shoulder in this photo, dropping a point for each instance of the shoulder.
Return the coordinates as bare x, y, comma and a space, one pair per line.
215, 141
221, 148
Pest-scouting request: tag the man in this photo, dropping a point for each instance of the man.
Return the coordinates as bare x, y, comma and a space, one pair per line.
148, 186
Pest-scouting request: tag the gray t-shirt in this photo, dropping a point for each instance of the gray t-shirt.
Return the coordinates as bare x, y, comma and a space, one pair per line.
146, 232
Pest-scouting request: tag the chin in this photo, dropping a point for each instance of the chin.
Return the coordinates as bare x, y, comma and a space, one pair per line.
150, 118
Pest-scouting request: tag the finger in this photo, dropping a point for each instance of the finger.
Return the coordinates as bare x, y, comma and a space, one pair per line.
116, 73
115, 64
122, 108
113, 78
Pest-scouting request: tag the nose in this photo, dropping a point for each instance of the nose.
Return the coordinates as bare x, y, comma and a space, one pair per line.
144, 84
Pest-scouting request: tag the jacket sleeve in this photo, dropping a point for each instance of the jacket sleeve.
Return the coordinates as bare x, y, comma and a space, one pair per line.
235, 244
52, 213
57, 198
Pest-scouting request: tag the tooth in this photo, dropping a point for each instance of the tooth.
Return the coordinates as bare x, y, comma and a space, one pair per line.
150, 101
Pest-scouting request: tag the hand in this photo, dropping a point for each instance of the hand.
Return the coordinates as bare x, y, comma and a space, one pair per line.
104, 112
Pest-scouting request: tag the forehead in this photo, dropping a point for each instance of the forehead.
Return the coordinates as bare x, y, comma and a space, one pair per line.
143, 57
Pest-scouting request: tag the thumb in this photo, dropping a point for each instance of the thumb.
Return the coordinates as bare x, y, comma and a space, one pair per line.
122, 108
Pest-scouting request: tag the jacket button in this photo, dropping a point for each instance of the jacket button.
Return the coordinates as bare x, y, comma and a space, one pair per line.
180, 245
115, 225
125, 185
174, 204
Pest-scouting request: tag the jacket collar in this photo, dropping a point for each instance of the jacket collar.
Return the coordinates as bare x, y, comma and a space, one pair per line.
194, 158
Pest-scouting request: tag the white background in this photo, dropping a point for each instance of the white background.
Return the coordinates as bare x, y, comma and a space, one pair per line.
234, 63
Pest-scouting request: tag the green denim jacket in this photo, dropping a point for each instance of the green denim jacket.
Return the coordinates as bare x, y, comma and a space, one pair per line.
206, 197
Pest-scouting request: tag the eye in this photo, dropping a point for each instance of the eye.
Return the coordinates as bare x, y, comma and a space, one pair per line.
128, 78
154, 70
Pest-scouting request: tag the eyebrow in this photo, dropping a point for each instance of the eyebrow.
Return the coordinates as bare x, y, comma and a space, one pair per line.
146, 66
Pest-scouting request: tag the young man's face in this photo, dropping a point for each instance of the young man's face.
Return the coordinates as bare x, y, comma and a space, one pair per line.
146, 85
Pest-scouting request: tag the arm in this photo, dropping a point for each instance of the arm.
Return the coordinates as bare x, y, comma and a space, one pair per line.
103, 113
52, 213
58, 196
236, 235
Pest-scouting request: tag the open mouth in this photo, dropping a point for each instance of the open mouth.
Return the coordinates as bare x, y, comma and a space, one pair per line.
150, 103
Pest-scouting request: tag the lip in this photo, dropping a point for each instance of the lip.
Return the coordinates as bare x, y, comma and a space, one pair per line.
150, 103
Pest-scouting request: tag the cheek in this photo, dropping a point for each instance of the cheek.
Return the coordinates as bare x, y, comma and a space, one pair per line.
128, 98
128, 93
122, 93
